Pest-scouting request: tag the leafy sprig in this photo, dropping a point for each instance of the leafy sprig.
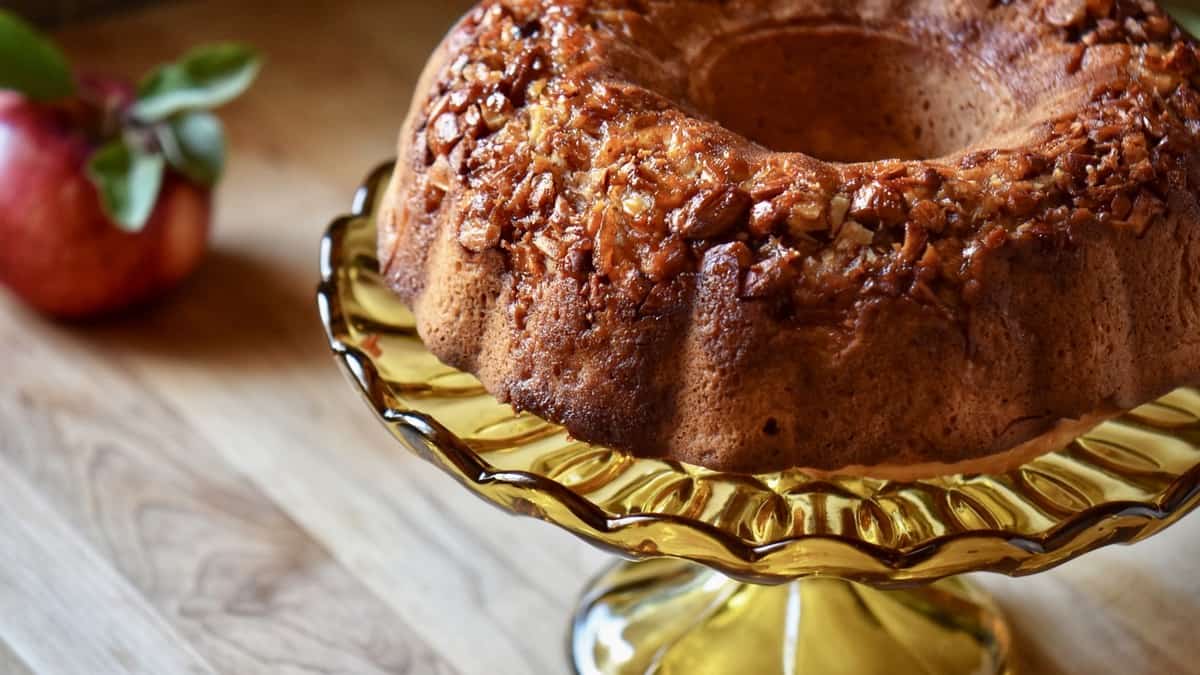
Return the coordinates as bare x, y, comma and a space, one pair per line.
169, 124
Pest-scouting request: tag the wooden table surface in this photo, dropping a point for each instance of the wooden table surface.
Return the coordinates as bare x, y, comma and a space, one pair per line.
197, 490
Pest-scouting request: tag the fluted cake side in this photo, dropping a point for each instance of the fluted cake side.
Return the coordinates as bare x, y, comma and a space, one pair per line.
608, 212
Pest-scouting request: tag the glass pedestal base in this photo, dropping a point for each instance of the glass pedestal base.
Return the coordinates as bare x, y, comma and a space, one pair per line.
671, 617
1123, 481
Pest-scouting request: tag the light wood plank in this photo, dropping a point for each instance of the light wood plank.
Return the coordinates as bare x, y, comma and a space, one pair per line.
240, 353
64, 609
252, 591
493, 593
1122, 609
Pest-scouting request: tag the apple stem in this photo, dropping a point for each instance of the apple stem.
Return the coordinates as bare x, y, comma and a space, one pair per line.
141, 137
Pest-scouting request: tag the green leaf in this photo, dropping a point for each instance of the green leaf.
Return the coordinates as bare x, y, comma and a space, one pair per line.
30, 63
128, 181
194, 143
203, 79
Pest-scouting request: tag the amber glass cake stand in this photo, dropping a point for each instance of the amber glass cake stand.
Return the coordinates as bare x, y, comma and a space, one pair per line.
780, 573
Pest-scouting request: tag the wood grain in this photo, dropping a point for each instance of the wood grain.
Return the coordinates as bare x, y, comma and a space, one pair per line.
227, 568
203, 467
241, 352
1123, 609
66, 608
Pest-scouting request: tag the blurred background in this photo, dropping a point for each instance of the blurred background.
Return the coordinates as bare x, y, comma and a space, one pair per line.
53, 12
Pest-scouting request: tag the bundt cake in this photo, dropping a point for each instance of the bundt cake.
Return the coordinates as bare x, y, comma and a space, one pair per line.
878, 236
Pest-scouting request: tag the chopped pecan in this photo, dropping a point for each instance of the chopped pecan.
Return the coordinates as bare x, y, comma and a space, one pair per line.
478, 234
764, 217
1066, 13
853, 235
769, 277
1106, 31
1133, 147
726, 262
660, 298
1026, 165
1072, 169
1146, 208
1187, 102
1081, 216
668, 261
540, 119
528, 65
459, 99
928, 215
929, 267
433, 197
711, 213
459, 154
1143, 171
1134, 29
636, 204
548, 246
769, 186
440, 175
496, 110
605, 254
878, 203
579, 261
839, 206
472, 121
995, 238
915, 239
444, 132
805, 217
1121, 206
1101, 133
1158, 26
579, 182
541, 197
1020, 201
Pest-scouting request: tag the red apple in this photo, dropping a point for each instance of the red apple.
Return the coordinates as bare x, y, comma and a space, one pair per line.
105, 190
59, 250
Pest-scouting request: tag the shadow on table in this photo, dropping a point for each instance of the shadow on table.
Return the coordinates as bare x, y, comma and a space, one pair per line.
238, 311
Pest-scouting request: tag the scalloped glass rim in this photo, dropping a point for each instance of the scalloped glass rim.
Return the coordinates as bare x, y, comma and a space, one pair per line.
1123, 481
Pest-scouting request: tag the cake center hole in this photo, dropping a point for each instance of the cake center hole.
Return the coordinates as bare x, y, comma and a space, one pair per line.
846, 94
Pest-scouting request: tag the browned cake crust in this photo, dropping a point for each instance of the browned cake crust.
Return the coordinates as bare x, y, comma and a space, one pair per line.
613, 214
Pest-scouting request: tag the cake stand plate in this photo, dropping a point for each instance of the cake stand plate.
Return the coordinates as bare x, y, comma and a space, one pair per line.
776, 573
